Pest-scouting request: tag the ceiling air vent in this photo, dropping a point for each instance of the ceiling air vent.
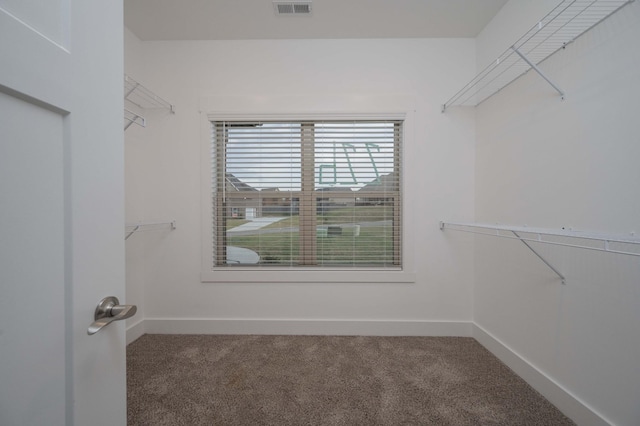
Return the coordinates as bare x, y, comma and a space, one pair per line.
292, 8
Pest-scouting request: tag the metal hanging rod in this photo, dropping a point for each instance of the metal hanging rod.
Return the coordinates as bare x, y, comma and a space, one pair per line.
132, 228
609, 243
139, 95
561, 26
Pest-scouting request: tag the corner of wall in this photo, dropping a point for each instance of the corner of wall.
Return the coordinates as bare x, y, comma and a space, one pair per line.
565, 401
135, 331
509, 24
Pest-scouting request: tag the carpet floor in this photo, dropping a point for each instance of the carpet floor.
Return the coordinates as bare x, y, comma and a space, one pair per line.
326, 380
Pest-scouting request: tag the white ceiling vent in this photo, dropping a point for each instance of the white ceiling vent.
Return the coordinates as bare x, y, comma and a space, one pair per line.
292, 8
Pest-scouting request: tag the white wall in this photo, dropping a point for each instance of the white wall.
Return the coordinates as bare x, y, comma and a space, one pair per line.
164, 171
136, 182
574, 163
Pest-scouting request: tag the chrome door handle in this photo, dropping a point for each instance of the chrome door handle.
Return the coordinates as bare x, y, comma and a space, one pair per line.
109, 310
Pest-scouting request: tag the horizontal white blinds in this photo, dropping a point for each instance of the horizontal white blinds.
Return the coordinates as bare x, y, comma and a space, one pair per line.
307, 193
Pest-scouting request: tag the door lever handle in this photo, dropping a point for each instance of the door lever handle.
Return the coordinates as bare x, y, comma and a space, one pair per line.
108, 311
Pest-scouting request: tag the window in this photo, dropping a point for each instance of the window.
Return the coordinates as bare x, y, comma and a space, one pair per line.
307, 194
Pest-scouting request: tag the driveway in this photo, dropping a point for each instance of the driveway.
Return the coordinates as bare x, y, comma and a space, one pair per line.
255, 224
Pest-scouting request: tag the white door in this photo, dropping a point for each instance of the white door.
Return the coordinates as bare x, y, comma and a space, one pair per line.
61, 211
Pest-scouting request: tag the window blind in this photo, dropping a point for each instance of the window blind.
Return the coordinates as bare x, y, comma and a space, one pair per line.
307, 193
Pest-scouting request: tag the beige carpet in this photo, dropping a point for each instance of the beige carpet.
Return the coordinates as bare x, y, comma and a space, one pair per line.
326, 380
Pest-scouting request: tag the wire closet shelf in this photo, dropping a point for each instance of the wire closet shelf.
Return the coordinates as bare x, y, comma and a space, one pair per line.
561, 26
132, 228
141, 97
610, 243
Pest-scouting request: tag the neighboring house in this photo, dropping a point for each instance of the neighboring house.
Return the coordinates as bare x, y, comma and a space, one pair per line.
235, 184
256, 205
245, 207
386, 183
284, 205
328, 203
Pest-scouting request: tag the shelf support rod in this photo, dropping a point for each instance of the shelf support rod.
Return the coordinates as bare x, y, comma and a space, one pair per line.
137, 118
539, 71
135, 86
540, 257
132, 232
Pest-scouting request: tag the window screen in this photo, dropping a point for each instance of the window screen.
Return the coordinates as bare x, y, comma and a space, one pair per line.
307, 193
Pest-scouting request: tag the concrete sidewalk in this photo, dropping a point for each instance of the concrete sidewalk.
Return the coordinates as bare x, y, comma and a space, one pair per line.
243, 255
255, 224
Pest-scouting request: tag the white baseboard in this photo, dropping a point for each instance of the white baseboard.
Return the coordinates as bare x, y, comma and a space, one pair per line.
136, 330
307, 327
570, 405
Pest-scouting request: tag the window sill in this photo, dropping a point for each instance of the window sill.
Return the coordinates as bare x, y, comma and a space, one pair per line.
278, 275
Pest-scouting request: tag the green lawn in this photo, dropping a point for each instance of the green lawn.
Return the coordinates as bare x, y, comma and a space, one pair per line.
356, 214
351, 214
373, 246
279, 248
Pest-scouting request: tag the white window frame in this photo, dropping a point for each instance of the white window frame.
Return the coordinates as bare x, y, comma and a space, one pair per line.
360, 110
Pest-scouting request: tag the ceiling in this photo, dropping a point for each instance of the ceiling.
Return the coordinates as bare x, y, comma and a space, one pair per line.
256, 19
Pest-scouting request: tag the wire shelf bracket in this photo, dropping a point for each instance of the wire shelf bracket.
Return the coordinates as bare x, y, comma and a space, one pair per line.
563, 280
560, 27
132, 228
141, 97
132, 117
539, 71
609, 243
